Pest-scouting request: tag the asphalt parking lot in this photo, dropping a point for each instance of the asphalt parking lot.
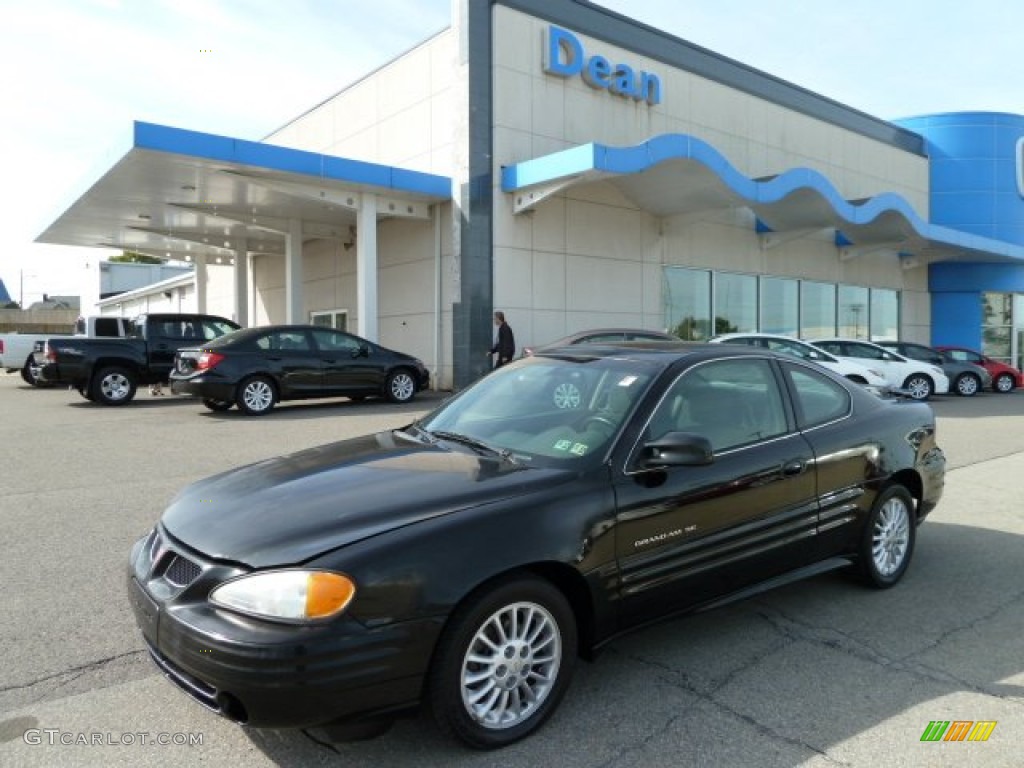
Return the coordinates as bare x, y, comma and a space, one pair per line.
821, 673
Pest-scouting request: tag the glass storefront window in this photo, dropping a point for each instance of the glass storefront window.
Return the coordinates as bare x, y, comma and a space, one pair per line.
817, 310
885, 314
997, 326
688, 303
788, 307
853, 312
780, 311
735, 303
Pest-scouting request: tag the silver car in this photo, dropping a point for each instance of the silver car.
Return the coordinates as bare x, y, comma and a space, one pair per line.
965, 379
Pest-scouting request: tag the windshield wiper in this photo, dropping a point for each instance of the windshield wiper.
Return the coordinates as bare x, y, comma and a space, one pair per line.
415, 432
472, 442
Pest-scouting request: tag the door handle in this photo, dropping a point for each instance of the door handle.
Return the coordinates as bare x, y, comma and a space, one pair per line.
793, 468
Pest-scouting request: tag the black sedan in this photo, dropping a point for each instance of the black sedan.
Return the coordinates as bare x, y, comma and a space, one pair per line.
466, 560
257, 367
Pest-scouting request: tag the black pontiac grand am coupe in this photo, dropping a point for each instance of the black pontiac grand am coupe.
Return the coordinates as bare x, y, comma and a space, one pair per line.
466, 560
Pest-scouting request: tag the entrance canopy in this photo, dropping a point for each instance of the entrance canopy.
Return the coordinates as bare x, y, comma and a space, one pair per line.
182, 194
675, 174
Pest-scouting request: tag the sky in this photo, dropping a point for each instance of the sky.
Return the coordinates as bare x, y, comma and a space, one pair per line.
76, 73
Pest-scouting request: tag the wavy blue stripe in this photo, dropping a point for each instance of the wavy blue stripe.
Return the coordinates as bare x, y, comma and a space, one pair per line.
602, 159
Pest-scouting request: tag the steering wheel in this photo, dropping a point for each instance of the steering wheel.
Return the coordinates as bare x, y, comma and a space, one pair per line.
600, 419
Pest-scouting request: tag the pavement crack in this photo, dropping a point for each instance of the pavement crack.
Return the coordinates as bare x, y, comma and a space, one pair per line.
68, 675
320, 742
837, 640
679, 679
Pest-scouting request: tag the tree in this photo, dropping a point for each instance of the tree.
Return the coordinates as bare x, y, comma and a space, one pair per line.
131, 257
11, 305
692, 329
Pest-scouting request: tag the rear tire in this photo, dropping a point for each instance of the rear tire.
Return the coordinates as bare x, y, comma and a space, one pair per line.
256, 396
888, 540
967, 385
503, 663
217, 405
30, 375
1004, 383
113, 386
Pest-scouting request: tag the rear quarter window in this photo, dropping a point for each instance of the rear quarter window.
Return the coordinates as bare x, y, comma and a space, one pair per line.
818, 399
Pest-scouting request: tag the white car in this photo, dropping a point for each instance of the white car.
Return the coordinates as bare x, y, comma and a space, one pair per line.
787, 345
921, 380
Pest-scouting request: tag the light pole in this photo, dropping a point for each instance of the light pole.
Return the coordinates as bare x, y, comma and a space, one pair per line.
21, 287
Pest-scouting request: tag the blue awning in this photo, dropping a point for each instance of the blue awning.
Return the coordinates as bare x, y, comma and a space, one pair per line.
184, 193
675, 173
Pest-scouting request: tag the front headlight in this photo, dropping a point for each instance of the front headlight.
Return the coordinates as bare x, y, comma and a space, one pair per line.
292, 596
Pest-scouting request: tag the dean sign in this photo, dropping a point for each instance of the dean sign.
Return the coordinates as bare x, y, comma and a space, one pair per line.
564, 57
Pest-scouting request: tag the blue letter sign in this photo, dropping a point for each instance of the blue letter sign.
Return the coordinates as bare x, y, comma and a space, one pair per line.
564, 57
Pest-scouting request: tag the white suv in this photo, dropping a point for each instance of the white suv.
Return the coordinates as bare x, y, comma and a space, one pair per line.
921, 380
787, 345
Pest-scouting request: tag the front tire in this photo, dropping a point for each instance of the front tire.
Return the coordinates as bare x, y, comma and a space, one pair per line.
888, 541
1004, 383
967, 385
400, 386
113, 386
919, 386
503, 663
217, 405
256, 396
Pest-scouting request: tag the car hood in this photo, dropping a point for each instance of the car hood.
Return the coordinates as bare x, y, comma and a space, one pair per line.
286, 510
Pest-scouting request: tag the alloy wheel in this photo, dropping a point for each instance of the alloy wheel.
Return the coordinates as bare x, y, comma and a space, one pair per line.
258, 396
402, 387
511, 665
115, 387
890, 538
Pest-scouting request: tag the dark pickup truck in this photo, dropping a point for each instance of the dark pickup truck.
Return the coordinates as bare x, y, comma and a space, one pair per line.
109, 371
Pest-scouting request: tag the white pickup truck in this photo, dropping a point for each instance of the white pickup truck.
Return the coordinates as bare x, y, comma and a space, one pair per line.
16, 349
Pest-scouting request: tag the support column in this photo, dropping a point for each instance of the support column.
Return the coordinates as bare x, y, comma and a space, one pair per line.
200, 277
366, 267
293, 293
242, 282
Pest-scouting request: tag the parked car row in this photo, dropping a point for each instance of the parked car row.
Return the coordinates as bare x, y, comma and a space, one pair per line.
223, 365
918, 369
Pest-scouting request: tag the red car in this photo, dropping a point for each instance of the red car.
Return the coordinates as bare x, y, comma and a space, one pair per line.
1004, 377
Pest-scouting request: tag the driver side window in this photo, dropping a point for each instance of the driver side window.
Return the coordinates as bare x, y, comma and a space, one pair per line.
732, 403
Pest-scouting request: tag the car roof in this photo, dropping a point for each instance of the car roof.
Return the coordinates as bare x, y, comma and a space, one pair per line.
665, 352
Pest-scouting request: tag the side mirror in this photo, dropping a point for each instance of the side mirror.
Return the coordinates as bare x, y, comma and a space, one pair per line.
676, 449
361, 351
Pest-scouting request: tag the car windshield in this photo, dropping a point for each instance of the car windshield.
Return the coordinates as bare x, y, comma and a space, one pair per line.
545, 411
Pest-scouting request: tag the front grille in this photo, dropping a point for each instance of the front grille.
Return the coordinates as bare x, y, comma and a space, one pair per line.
163, 569
182, 572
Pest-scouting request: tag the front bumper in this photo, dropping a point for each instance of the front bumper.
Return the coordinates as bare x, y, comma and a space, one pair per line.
268, 674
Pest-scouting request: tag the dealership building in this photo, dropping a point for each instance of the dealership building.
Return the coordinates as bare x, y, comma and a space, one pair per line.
578, 169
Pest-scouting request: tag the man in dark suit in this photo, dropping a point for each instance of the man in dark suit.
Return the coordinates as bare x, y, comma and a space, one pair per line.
504, 342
